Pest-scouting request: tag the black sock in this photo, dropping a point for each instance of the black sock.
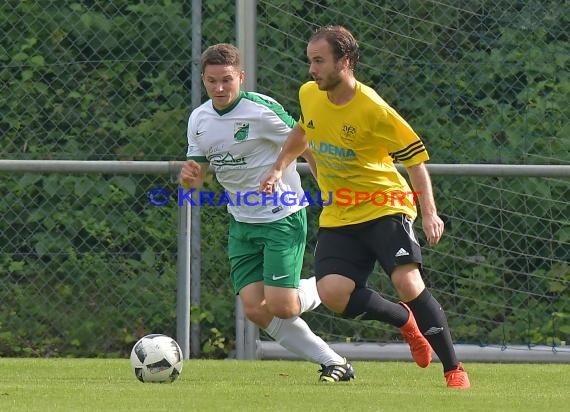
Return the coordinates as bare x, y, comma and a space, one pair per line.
367, 304
432, 322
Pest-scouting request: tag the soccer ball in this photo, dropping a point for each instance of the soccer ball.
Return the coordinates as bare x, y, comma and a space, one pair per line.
156, 358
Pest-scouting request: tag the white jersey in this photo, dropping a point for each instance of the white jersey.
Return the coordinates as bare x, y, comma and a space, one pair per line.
241, 143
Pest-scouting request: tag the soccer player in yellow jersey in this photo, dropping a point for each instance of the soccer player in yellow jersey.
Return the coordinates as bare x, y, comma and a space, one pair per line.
369, 207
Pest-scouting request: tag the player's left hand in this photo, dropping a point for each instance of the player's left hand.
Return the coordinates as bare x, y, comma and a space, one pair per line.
433, 228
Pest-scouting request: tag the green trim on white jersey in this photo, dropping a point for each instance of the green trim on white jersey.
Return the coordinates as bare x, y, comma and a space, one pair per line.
271, 105
199, 159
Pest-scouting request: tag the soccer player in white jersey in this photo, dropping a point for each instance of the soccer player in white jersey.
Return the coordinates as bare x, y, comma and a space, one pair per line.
240, 134
356, 137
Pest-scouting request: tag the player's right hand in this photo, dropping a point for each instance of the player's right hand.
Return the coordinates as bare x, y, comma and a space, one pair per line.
268, 182
191, 174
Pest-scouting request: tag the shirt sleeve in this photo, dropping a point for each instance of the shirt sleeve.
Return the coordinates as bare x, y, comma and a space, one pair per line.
402, 142
301, 121
277, 123
194, 152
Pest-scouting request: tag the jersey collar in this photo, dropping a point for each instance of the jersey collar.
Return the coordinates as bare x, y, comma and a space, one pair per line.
232, 106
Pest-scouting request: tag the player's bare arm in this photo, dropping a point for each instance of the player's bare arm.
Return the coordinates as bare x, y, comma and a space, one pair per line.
294, 146
192, 174
310, 158
421, 183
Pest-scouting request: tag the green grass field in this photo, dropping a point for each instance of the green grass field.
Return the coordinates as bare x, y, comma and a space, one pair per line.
208, 385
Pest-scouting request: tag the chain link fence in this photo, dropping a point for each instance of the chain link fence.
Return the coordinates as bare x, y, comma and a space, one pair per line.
87, 265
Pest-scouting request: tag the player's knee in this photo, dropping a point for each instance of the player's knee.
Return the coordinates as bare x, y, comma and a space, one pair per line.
283, 309
408, 281
328, 291
334, 304
331, 297
258, 314
327, 295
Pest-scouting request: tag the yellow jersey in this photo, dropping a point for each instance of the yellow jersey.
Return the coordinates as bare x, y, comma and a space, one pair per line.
355, 146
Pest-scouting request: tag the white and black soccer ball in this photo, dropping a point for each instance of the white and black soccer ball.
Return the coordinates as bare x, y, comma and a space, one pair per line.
156, 358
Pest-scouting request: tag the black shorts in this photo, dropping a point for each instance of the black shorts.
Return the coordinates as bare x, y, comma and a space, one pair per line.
352, 251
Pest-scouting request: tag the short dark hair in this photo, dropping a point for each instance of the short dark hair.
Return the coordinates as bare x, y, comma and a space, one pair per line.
224, 54
342, 42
